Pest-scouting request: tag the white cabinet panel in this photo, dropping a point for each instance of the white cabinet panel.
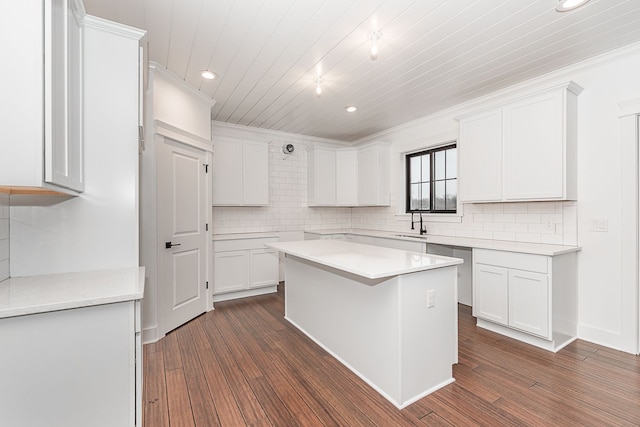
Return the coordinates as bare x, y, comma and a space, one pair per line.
264, 267
490, 293
230, 271
79, 366
534, 154
480, 157
226, 173
255, 173
374, 175
321, 177
346, 178
529, 302
240, 173
404, 245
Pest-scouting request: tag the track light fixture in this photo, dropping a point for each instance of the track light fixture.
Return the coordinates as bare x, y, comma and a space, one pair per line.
375, 49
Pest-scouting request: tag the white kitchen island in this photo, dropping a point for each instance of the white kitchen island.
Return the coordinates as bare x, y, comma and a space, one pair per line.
388, 315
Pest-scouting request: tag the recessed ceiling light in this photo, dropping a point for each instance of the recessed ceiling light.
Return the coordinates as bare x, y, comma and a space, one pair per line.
350, 108
209, 75
567, 5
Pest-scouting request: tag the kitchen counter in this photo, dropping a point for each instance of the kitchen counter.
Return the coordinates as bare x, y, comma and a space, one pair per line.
47, 293
465, 242
240, 236
368, 261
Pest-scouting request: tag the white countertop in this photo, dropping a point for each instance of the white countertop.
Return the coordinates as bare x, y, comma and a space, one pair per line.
500, 245
372, 262
239, 236
40, 294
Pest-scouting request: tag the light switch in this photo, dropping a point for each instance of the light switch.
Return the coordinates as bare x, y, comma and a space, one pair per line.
599, 225
431, 298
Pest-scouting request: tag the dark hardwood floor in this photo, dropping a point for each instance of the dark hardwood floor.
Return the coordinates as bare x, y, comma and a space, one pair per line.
243, 364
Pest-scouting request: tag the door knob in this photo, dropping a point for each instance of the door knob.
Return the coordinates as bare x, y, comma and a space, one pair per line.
169, 245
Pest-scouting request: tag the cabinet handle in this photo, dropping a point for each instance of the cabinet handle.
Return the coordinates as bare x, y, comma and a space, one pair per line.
169, 245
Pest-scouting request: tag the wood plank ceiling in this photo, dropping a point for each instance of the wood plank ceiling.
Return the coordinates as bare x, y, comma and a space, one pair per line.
433, 53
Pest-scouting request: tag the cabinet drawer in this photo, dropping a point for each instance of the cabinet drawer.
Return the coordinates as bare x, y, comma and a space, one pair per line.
520, 261
242, 244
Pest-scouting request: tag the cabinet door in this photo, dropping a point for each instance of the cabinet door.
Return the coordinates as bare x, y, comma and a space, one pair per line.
263, 269
529, 302
403, 245
347, 178
373, 175
226, 173
480, 157
255, 173
63, 103
490, 293
534, 155
321, 178
230, 271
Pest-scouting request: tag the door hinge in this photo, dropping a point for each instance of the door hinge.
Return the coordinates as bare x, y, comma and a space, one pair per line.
206, 167
207, 284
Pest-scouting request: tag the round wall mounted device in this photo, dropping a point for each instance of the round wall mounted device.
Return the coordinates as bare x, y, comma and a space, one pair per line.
288, 148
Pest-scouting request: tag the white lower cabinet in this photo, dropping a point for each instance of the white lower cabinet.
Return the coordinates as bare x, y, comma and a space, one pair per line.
244, 267
526, 296
79, 367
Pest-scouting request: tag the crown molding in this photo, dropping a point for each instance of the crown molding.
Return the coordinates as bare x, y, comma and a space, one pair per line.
91, 21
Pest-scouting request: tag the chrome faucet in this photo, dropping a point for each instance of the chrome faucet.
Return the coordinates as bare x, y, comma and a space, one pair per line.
423, 228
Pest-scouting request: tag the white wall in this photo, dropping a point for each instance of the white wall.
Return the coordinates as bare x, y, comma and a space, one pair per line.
4, 236
287, 210
98, 229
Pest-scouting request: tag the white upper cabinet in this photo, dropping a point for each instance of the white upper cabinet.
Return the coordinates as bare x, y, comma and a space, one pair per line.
41, 101
346, 177
255, 173
321, 177
349, 176
240, 173
480, 157
523, 150
374, 174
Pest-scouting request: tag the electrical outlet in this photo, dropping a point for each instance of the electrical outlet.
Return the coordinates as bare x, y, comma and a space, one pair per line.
599, 225
431, 298
549, 224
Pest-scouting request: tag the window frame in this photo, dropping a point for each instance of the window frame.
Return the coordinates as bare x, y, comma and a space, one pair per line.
432, 181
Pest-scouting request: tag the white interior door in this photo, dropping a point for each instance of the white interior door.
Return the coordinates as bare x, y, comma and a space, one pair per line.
182, 221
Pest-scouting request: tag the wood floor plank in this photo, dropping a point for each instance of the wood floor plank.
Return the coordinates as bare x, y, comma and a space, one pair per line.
244, 364
156, 409
249, 405
180, 414
228, 411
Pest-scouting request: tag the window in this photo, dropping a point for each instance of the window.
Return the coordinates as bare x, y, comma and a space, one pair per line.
432, 184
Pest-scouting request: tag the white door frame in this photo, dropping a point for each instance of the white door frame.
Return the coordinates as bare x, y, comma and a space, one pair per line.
630, 211
168, 131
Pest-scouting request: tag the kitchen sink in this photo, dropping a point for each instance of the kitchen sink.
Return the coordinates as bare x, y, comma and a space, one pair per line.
412, 236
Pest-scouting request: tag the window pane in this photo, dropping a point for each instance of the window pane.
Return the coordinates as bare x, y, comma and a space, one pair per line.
452, 163
414, 165
452, 194
440, 196
426, 166
440, 162
425, 197
415, 196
